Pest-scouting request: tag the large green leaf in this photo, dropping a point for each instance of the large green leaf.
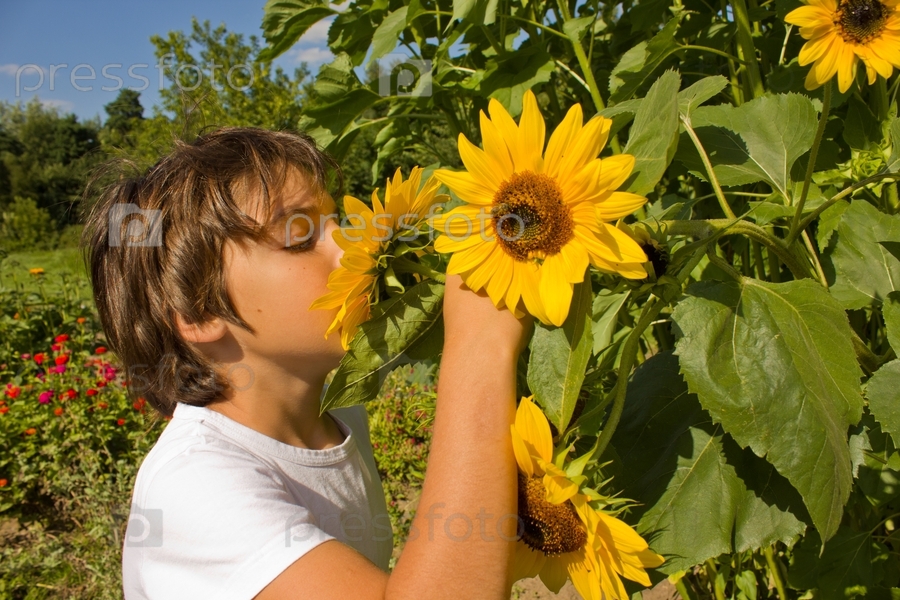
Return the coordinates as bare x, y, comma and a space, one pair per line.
865, 271
639, 63
510, 75
890, 310
753, 142
388, 33
884, 399
605, 316
693, 96
846, 568
559, 357
408, 328
774, 364
654, 135
285, 21
699, 494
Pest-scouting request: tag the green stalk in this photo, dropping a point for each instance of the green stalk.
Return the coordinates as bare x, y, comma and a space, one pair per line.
811, 167
712, 574
748, 50
776, 573
583, 61
403, 265
726, 208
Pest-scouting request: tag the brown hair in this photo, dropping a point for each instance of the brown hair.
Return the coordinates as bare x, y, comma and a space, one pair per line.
187, 204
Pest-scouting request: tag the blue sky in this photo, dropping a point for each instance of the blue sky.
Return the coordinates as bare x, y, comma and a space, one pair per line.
102, 33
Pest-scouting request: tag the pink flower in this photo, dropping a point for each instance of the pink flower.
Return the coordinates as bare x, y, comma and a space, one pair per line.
26, 356
45, 397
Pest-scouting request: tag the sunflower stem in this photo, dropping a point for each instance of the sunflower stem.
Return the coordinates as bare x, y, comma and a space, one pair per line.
403, 265
629, 352
713, 180
748, 50
719, 262
811, 167
776, 573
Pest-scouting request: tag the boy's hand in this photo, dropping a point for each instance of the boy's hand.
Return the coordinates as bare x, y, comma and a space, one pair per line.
471, 318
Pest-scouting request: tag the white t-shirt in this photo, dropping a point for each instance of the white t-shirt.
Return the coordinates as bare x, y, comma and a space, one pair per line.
220, 510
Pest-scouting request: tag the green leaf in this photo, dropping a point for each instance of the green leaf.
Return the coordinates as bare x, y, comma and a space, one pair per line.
575, 28
698, 93
654, 135
699, 495
472, 10
861, 129
740, 347
828, 223
881, 392
285, 21
508, 77
605, 316
388, 33
890, 310
893, 163
865, 271
639, 63
845, 569
559, 357
408, 328
751, 143
877, 476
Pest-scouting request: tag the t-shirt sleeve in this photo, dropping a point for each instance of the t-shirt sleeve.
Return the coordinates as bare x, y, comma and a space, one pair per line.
219, 524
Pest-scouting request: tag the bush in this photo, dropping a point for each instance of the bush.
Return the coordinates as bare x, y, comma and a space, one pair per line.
25, 226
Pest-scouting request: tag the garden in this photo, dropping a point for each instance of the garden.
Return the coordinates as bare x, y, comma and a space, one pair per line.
696, 200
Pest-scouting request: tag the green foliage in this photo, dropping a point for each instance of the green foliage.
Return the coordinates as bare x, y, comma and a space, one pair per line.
25, 226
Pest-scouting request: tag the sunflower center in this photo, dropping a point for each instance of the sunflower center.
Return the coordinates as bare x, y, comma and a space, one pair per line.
530, 217
549, 528
861, 20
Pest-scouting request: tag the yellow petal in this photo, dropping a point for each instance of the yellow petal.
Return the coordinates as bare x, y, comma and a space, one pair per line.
532, 131
846, 68
500, 281
827, 66
484, 273
830, 6
527, 563
495, 148
561, 138
814, 49
509, 131
555, 573
523, 457
812, 80
585, 577
479, 165
614, 170
466, 186
534, 428
585, 147
618, 205
556, 291
559, 489
531, 296
468, 259
808, 16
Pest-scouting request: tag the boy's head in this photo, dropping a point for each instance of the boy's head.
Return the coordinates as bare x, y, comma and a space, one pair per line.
226, 266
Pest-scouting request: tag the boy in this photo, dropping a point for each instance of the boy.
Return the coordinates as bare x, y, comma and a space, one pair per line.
249, 492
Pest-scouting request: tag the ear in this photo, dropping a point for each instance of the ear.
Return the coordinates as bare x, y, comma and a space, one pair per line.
207, 331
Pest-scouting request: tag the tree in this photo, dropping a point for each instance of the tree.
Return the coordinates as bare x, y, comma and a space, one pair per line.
125, 114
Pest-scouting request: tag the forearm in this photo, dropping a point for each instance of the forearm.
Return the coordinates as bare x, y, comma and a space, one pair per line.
462, 536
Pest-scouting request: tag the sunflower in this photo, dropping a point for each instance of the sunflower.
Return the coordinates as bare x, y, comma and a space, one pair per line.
563, 536
533, 220
840, 33
367, 243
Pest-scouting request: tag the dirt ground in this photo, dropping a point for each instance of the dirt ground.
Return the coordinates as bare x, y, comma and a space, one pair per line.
534, 589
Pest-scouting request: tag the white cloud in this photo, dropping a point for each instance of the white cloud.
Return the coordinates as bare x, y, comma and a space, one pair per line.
317, 34
9, 69
63, 105
314, 55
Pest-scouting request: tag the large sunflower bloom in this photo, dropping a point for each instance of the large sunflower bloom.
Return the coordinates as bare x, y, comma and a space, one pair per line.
354, 285
841, 33
534, 219
562, 535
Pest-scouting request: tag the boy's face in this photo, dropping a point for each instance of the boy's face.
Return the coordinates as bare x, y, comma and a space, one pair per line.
272, 283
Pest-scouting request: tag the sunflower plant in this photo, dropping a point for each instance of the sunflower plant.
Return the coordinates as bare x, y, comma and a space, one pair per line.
699, 205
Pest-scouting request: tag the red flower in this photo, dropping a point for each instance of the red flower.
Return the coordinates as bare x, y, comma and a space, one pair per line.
91, 392
58, 411
4, 410
120, 422
102, 405
71, 393
39, 358
101, 383
12, 391
63, 337
30, 431
3, 483
100, 350
55, 347
139, 405
61, 360
80, 320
